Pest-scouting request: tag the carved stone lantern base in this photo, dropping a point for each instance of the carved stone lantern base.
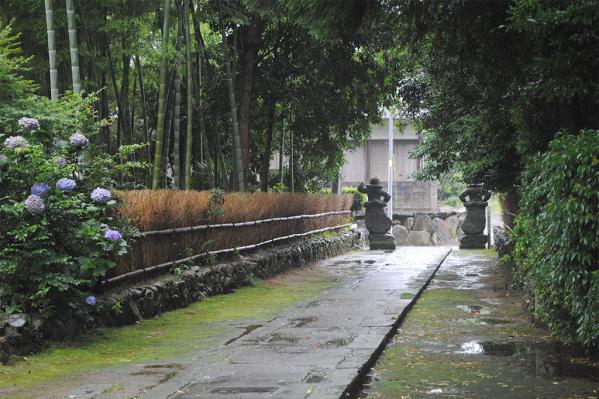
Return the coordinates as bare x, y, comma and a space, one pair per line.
475, 241
381, 241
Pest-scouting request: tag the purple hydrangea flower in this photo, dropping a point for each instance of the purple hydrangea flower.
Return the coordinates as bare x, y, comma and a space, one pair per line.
66, 185
113, 235
78, 140
35, 205
40, 189
16, 142
100, 195
90, 300
62, 161
29, 124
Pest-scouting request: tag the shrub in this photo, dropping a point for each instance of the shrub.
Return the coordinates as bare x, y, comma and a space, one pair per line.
57, 233
557, 251
359, 199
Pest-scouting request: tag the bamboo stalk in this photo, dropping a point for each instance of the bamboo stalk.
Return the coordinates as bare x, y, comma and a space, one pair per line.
189, 71
161, 111
237, 156
73, 47
177, 120
51, 50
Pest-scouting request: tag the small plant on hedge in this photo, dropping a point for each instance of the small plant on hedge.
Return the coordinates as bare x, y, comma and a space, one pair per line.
58, 235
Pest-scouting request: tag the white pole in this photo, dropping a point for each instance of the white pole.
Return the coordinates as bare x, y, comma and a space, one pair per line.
390, 169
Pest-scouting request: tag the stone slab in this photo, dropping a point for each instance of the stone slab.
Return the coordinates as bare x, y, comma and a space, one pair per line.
316, 348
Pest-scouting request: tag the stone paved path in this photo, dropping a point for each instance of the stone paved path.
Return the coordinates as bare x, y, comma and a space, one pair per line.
316, 349
468, 336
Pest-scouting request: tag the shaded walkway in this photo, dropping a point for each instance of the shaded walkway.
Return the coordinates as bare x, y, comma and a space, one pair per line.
315, 349
469, 337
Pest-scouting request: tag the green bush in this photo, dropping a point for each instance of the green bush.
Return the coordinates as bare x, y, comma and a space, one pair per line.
359, 198
57, 234
557, 250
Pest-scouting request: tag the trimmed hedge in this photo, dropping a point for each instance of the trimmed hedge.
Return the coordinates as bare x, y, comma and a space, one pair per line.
556, 236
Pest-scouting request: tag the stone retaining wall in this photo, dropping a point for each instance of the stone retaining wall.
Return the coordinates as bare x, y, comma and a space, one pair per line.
441, 228
22, 334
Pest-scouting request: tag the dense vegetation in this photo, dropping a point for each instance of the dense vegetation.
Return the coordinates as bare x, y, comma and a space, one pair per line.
225, 86
492, 84
205, 93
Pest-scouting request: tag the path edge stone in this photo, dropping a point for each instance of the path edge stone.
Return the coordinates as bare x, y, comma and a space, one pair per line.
353, 389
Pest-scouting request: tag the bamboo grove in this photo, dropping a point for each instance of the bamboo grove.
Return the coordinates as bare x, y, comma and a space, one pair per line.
214, 90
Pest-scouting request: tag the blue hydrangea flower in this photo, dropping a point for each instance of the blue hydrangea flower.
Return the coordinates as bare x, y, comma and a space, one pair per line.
113, 235
62, 161
100, 195
90, 300
78, 140
16, 142
66, 185
40, 189
35, 205
29, 124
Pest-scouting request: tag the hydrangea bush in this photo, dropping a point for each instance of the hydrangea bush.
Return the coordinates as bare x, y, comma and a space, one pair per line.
58, 237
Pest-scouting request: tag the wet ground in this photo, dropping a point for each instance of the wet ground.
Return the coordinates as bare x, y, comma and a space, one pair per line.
304, 334
468, 337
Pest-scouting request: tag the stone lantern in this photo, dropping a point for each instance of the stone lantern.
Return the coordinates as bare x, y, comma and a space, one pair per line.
475, 199
377, 222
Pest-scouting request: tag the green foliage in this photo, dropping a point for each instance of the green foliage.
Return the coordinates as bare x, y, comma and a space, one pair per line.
53, 248
215, 203
359, 198
557, 251
483, 121
12, 64
56, 254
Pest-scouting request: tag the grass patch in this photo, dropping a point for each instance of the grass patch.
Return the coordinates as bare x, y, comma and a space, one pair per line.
114, 388
467, 252
406, 295
192, 328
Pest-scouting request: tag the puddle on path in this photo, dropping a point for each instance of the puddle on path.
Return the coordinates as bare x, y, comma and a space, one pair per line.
476, 309
450, 347
303, 321
245, 332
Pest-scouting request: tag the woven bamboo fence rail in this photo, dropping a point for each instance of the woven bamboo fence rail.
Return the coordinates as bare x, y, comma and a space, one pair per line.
169, 245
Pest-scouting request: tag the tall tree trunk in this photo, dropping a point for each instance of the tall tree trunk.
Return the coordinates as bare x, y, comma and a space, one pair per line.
239, 182
144, 113
270, 109
177, 116
281, 149
201, 147
117, 96
73, 46
291, 174
51, 50
160, 122
124, 95
251, 40
104, 111
189, 72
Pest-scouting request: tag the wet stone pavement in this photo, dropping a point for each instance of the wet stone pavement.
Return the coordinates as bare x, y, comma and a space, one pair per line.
314, 350
468, 337
313, 347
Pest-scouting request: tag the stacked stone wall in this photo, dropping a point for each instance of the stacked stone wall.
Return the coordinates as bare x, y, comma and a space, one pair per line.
22, 334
